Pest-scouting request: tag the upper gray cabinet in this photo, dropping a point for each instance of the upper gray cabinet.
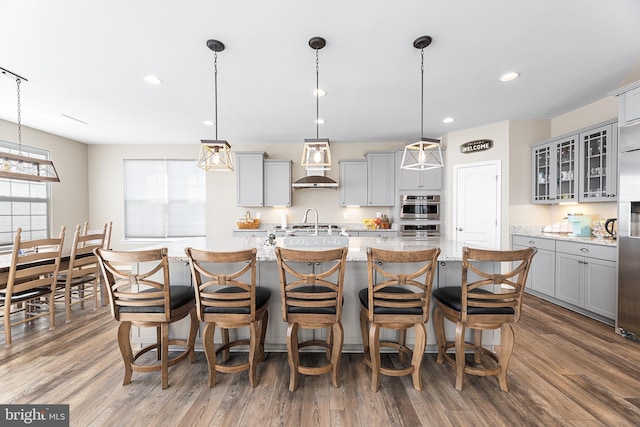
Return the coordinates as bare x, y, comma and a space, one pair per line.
579, 167
555, 171
369, 182
414, 180
628, 104
381, 174
598, 164
261, 182
353, 183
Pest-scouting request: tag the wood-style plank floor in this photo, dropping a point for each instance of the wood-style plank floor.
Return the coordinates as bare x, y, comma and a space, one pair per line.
566, 370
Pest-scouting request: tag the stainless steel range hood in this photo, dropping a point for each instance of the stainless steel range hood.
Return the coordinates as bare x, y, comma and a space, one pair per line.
315, 179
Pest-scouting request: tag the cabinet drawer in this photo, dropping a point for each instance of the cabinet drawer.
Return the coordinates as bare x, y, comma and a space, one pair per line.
538, 242
587, 250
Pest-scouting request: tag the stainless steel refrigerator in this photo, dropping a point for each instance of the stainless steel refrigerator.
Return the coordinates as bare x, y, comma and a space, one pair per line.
629, 231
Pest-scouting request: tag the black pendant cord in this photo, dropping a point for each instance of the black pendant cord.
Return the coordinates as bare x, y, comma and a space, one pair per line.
215, 89
422, 93
317, 96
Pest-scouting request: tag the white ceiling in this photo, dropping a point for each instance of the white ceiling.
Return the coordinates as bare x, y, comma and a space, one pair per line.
87, 59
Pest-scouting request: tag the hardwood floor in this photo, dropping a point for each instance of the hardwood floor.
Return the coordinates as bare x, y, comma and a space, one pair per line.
566, 370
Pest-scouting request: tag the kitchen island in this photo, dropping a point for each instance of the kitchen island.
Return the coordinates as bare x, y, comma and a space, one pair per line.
448, 274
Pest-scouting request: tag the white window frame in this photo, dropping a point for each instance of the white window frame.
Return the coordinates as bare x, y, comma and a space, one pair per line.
35, 225
153, 209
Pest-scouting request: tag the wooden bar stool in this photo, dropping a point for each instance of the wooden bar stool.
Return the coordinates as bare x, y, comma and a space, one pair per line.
397, 297
479, 306
230, 300
146, 299
312, 300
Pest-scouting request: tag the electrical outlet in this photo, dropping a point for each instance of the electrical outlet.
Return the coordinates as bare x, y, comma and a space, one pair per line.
346, 215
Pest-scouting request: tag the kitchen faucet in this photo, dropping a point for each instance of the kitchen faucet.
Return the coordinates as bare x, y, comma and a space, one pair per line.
304, 220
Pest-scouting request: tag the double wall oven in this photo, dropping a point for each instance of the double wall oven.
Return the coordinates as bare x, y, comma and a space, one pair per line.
420, 216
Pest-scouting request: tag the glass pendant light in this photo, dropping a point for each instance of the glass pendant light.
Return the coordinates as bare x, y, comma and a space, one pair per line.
427, 152
316, 154
19, 166
215, 155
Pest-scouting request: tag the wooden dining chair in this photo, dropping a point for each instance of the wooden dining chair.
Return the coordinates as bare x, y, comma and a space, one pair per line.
81, 281
227, 297
32, 278
489, 298
312, 299
397, 297
140, 294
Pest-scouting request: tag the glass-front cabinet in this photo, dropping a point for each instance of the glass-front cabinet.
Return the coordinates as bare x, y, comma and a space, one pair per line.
598, 166
555, 172
580, 167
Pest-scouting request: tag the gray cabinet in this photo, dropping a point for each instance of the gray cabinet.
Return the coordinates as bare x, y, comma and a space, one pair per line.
555, 173
261, 182
369, 182
628, 103
353, 183
578, 167
541, 277
415, 180
381, 185
586, 277
598, 164
277, 182
250, 178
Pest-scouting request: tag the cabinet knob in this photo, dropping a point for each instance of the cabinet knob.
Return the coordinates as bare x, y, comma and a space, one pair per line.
584, 250
459, 229
442, 263
532, 242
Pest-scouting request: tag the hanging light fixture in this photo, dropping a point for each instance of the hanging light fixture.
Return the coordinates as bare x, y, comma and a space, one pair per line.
316, 154
19, 166
427, 152
215, 155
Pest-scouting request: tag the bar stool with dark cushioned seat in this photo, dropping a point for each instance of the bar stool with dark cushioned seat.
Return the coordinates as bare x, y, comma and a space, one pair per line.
312, 300
397, 297
227, 297
140, 294
478, 305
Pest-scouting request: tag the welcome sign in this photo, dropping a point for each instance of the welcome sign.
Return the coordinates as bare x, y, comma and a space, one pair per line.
475, 146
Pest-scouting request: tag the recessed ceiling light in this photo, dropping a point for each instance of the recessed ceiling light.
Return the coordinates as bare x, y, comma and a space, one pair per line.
447, 120
153, 80
319, 92
320, 121
208, 122
511, 75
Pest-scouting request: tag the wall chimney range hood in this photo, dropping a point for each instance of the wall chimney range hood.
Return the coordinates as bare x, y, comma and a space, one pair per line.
315, 179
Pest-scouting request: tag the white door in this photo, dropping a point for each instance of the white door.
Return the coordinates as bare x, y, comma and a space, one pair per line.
477, 203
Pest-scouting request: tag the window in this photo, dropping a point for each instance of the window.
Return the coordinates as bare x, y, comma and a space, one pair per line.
164, 199
23, 203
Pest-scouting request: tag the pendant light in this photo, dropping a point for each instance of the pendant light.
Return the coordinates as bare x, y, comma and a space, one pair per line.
427, 152
316, 154
215, 155
19, 166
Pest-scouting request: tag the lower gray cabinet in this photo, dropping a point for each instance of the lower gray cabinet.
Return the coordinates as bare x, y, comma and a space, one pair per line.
575, 275
586, 277
542, 273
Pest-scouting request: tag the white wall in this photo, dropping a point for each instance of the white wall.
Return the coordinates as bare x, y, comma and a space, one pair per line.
106, 182
70, 196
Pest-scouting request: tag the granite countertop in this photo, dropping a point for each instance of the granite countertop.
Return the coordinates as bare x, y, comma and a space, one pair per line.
537, 232
349, 227
450, 250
